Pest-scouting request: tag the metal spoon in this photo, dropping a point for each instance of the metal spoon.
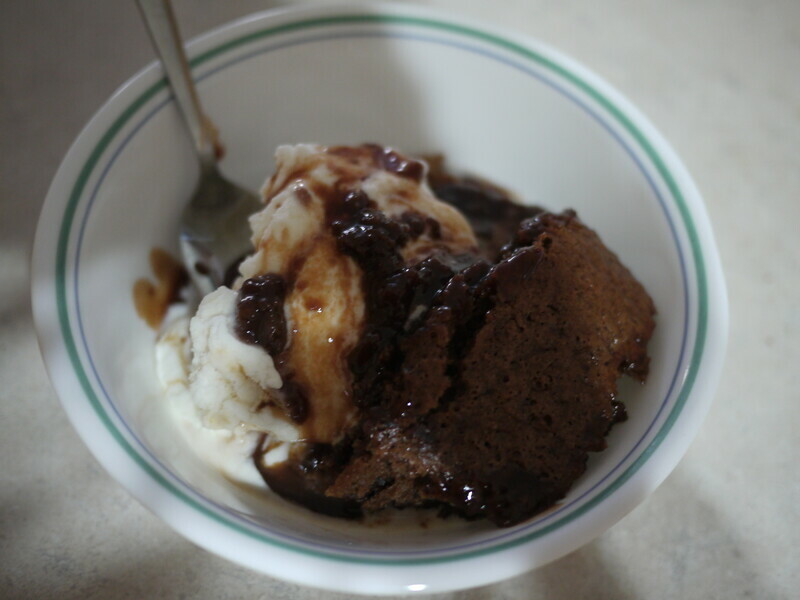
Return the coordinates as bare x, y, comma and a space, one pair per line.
214, 231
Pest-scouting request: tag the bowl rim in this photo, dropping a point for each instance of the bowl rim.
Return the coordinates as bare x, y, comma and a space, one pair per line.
54, 330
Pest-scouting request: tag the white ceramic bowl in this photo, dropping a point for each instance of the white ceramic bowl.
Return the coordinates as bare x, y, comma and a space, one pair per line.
497, 104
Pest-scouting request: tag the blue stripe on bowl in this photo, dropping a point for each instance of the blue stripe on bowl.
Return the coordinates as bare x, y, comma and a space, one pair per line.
525, 61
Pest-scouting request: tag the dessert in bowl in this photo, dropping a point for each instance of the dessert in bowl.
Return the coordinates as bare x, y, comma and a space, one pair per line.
508, 109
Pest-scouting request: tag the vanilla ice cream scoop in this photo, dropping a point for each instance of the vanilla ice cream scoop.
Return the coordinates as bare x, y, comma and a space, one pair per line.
271, 354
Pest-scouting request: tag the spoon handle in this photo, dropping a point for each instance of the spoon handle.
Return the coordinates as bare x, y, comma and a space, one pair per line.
163, 29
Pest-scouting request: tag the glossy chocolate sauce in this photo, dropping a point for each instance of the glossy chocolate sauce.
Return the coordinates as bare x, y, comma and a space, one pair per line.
305, 476
153, 299
394, 293
494, 217
259, 313
260, 320
383, 158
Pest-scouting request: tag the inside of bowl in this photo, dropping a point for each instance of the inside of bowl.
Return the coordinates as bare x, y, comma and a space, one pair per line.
511, 120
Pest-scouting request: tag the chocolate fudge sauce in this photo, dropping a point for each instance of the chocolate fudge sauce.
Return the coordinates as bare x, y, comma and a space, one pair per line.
152, 300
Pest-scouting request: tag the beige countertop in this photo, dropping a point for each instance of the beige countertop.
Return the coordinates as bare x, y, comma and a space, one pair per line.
720, 79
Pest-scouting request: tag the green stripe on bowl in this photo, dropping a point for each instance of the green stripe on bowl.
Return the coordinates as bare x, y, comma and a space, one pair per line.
616, 113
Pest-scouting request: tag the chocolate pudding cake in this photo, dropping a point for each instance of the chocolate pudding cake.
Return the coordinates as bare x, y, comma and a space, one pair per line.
482, 372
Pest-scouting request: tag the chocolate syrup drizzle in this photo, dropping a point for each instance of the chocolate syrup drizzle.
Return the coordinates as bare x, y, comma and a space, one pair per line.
260, 320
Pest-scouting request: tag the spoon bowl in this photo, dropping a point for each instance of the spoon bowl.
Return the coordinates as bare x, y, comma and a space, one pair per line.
214, 231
